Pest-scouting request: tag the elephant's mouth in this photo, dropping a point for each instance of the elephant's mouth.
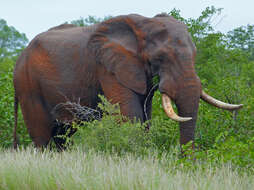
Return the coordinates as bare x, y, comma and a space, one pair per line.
167, 106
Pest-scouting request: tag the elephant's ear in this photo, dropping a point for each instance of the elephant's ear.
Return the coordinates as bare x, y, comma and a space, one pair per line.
117, 44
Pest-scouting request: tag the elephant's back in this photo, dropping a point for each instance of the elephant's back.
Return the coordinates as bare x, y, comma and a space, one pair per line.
62, 49
56, 63
63, 38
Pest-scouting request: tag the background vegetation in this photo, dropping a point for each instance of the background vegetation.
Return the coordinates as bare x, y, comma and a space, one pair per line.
225, 65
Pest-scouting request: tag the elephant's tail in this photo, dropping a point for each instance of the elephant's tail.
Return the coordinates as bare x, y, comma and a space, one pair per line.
16, 105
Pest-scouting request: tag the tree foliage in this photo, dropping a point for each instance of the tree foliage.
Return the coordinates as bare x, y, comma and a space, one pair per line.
11, 41
11, 44
201, 26
89, 20
243, 38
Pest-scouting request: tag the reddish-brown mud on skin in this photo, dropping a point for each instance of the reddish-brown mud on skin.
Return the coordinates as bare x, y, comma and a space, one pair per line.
118, 49
40, 61
140, 35
27, 88
39, 124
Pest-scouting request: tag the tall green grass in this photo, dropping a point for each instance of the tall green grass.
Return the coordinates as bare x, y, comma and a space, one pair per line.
80, 169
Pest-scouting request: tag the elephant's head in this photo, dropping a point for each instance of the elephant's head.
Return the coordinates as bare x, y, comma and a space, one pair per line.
136, 48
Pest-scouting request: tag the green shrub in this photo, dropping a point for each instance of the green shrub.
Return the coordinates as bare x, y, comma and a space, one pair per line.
113, 133
7, 108
229, 149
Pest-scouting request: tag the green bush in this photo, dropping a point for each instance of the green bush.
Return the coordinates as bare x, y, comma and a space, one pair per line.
116, 133
231, 150
113, 133
7, 108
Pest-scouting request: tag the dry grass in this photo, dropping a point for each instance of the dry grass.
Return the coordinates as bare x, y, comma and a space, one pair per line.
77, 169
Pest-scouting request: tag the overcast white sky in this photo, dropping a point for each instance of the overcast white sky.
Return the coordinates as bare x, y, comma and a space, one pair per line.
33, 17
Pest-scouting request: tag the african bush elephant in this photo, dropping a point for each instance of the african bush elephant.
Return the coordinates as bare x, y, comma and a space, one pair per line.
117, 58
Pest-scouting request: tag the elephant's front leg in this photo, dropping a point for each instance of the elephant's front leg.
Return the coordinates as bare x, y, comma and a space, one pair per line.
129, 101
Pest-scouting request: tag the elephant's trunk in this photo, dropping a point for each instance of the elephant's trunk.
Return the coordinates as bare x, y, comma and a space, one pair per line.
187, 103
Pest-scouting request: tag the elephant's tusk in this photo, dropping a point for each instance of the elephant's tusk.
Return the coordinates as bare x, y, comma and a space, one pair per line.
167, 106
218, 103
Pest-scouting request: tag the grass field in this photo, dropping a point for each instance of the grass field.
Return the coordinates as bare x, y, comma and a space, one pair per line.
78, 169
